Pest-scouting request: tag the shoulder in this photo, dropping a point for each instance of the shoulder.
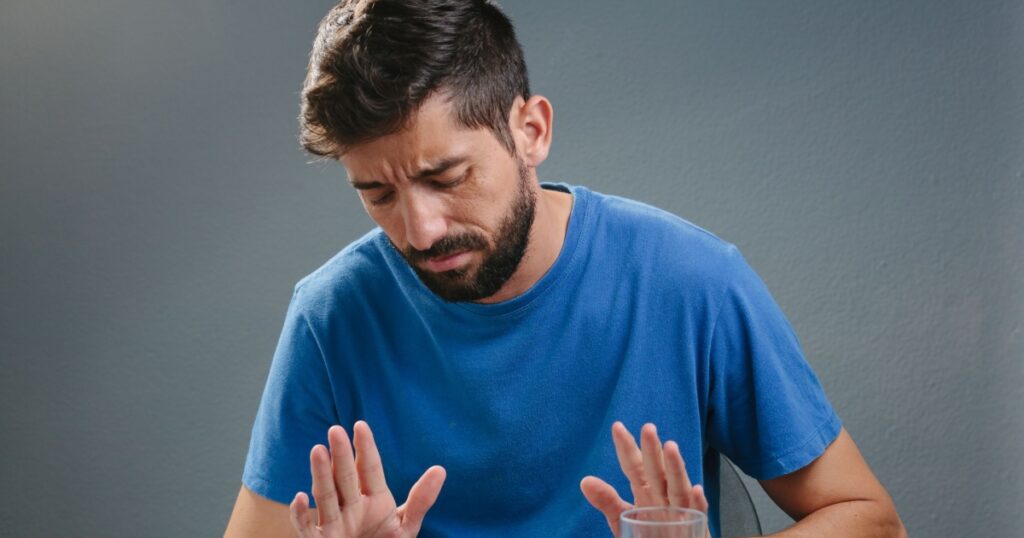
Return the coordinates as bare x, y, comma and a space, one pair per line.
668, 243
347, 278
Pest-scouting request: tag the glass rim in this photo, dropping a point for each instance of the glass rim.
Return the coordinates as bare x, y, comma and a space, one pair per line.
696, 516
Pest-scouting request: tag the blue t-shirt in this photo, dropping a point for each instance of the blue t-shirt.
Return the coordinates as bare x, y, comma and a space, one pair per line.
643, 317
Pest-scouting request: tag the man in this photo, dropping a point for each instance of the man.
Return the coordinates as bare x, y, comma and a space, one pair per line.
492, 329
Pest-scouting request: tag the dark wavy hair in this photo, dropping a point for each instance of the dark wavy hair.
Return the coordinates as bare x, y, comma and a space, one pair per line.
374, 62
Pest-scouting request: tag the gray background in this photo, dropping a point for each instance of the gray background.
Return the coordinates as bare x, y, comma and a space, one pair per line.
155, 211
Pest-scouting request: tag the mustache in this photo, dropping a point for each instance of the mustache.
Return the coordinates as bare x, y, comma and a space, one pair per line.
446, 246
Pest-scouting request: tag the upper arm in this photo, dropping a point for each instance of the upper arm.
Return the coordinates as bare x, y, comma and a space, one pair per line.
257, 516
840, 474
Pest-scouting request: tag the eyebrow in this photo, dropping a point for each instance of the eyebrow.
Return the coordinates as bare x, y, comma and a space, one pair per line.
441, 167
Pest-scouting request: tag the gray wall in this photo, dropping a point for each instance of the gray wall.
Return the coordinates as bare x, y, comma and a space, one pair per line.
155, 211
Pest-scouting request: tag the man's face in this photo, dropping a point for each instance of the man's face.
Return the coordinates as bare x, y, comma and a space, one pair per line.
452, 201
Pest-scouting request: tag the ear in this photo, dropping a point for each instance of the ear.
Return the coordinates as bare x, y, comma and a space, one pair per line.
530, 121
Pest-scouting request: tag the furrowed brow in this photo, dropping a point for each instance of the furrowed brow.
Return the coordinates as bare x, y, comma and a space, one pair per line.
440, 168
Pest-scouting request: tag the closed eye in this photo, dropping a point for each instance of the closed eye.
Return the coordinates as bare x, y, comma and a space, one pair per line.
443, 185
382, 199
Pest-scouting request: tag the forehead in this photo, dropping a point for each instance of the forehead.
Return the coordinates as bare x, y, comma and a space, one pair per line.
433, 134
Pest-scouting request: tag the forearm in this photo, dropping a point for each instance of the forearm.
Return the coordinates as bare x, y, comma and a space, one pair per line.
854, 519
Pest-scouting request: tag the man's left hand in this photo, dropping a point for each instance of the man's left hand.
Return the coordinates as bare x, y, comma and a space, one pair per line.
656, 472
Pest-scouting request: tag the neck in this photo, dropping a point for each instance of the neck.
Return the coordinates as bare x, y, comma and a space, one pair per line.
550, 221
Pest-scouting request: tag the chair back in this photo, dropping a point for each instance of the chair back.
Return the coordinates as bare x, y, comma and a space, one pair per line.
737, 514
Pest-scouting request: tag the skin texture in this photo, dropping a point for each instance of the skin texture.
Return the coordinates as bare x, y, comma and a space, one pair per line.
836, 495
499, 255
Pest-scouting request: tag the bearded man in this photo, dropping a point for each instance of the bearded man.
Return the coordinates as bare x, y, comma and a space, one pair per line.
499, 333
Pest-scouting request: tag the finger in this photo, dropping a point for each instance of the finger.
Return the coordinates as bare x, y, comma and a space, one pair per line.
654, 464
697, 499
603, 496
421, 497
323, 485
302, 516
371, 473
631, 461
678, 480
345, 478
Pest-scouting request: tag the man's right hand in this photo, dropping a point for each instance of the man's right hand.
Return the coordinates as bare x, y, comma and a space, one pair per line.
352, 498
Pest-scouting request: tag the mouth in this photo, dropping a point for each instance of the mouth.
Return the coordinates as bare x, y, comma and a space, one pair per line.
447, 262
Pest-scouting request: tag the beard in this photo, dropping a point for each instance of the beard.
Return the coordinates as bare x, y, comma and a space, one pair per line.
500, 261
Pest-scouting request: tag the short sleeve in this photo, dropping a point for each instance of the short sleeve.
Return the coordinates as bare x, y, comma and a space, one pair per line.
295, 412
767, 411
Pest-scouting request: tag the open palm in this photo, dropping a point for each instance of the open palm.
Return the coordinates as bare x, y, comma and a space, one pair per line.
656, 473
352, 497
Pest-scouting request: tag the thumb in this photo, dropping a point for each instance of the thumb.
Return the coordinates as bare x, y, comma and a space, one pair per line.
604, 497
421, 497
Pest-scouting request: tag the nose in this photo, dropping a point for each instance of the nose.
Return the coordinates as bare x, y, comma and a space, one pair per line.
425, 222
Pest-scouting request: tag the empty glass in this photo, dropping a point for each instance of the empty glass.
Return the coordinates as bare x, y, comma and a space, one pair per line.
663, 522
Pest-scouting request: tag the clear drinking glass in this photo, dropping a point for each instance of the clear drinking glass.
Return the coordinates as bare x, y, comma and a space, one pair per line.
663, 522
